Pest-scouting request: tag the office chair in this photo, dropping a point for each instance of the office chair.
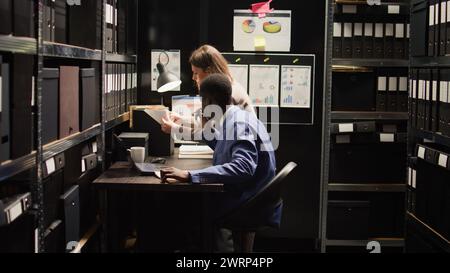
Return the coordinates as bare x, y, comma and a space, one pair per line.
256, 212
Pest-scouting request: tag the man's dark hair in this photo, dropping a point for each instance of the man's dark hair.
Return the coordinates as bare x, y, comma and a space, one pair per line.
217, 89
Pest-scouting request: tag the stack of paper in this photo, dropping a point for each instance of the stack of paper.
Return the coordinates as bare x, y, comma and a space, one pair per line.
195, 151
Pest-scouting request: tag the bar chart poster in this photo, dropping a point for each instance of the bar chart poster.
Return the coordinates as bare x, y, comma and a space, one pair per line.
264, 85
296, 86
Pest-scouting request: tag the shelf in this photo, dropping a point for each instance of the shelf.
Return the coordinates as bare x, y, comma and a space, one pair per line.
12, 167
346, 187
121, 58
119, 120
443, 61
435, 237
433, 137
18, 44
371, 62
68, 51
385, 242
61, 145
355, 115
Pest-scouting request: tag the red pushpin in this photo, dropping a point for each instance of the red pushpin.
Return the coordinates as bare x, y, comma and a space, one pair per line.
262, 8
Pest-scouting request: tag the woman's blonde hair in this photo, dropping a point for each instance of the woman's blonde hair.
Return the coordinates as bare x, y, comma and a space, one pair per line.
210, 60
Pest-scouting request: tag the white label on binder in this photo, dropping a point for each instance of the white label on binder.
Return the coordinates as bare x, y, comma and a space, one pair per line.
448, 11
381, 83
32, 91
393, 9
94, 147
443, 12
407, 31
389, 29
15, 211
392, 83
108, 14
436, 14
434, 90
403, 84
421, 152
414, 178
349, 9
358, 29
399, 30
83, 166
384, 137
447, 90
368, 29
345, 127
443, 91
50, 165
409, 176
379, 30
443, 160
414, 89
337, 29
342, 139
347, 29
431, 16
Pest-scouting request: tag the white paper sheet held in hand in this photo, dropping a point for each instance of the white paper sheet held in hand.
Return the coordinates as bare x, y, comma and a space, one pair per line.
295, 86
156, 114
264, 85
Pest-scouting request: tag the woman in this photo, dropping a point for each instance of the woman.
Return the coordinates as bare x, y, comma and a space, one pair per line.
204, 61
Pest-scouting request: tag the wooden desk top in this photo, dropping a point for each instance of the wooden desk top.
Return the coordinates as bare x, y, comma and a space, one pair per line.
121, 176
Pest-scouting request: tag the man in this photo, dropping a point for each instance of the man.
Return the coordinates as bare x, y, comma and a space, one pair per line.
244, 160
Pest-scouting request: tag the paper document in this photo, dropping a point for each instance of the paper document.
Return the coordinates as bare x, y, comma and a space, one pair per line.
264, 85
156, 114
296, 86
239, 72
196, 151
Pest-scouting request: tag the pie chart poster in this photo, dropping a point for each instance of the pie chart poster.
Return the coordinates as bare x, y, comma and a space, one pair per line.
274, 30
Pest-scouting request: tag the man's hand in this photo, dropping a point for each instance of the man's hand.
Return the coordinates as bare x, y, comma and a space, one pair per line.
171, 175
169, 123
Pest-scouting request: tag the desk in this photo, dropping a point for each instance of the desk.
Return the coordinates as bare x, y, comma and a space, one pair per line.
120, 177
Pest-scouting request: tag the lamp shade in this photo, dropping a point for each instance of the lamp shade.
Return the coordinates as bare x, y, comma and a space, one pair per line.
166, 81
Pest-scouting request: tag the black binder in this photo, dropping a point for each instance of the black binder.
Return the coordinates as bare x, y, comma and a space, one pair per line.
70, 206
357, 41
381, 98
413, 98
392, 94
69, 88
368, 40
347, 40
23, 18
60, 22
89, 162
86, 16
109, 25
389, 40
443, 28
399, 42
402, 99
5, 17
5, 137
131, 24
378, 42
427, 99
53, 188
90, 101
20, 98
431, 28
444, 109
447, 27
48, 33
434, 119
419, 28
436, 27
19, 236
50, 99
121, 27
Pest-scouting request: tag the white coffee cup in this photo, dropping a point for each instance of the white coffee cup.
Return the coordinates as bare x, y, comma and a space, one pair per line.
137, 154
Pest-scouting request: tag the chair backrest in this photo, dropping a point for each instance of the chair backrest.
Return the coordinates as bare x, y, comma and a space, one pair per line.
251, 214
